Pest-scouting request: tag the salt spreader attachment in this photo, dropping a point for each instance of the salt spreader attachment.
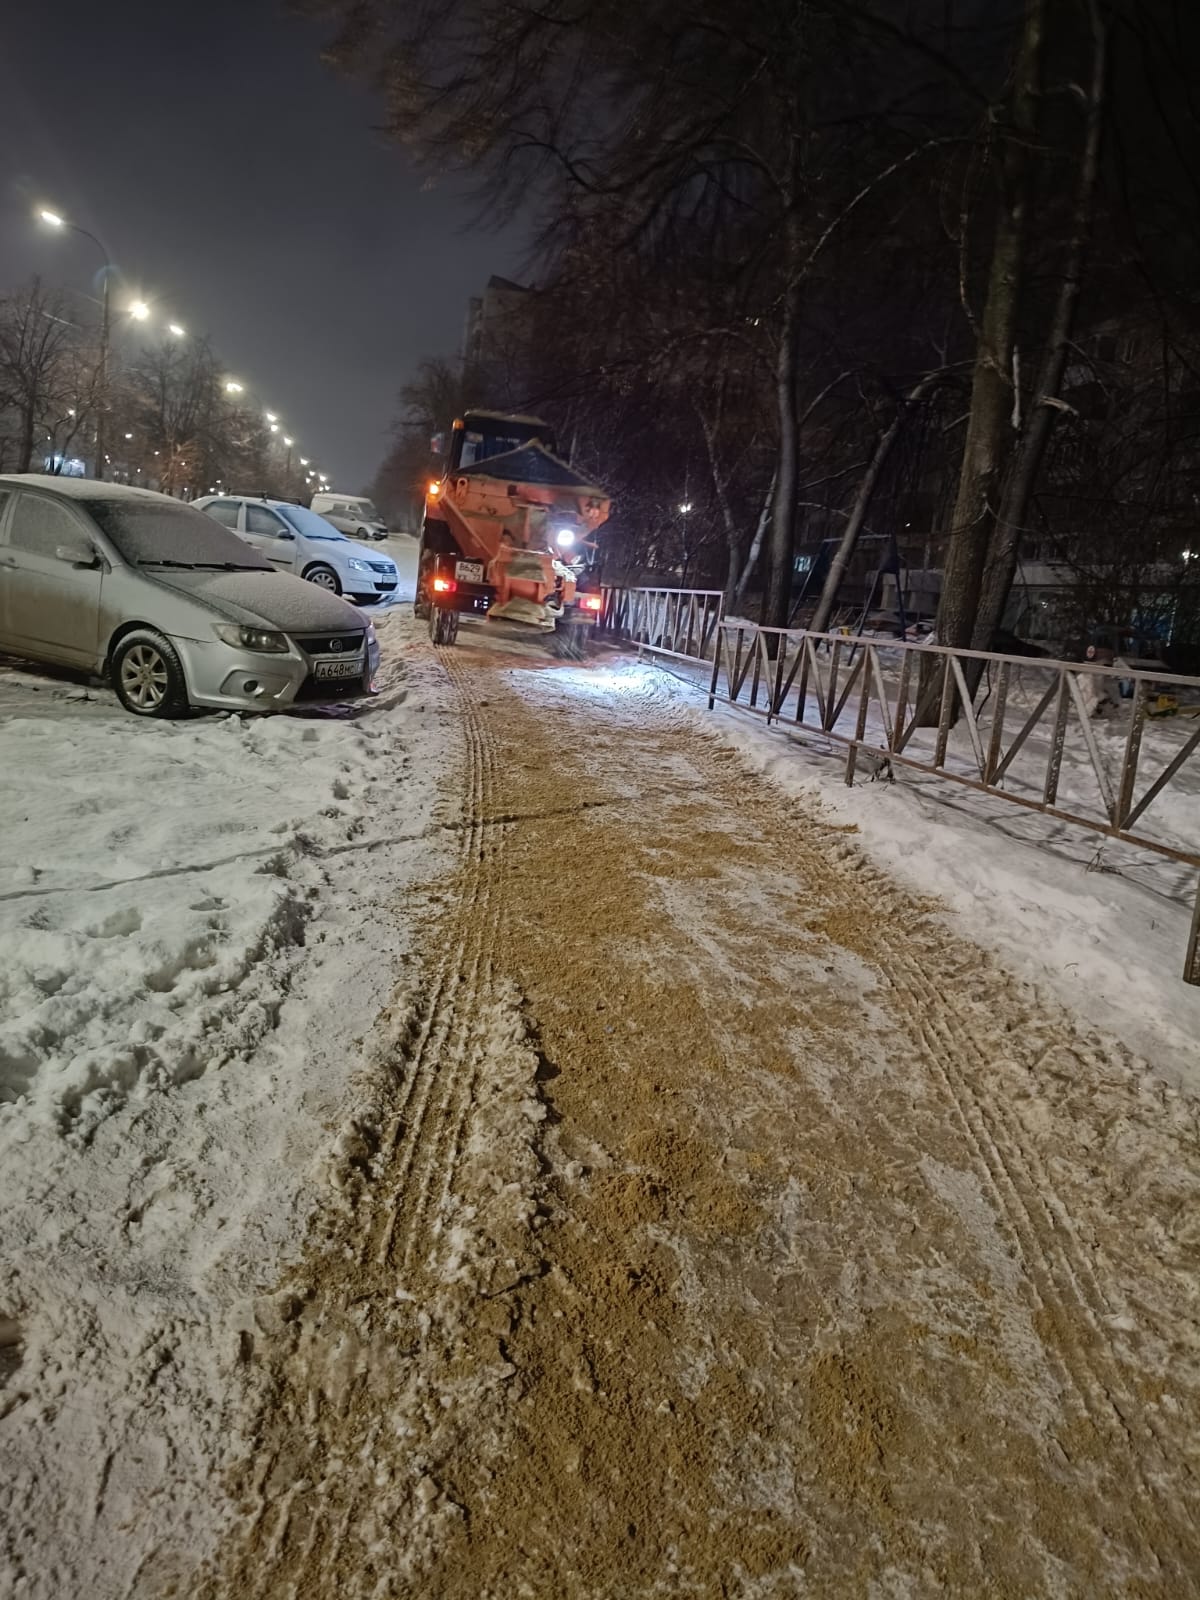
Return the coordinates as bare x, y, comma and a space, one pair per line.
509, 533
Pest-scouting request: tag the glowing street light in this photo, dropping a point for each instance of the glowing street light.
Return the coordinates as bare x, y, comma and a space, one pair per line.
274, 427
174, 328
139, 310
271, 417
686, 507
232, 386
54, 219
288, 442
305, 462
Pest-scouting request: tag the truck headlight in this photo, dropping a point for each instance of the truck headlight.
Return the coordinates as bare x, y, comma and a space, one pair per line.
244, 638
565, 538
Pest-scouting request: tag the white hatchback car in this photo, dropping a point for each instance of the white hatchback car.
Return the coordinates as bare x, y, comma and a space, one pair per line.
297, 540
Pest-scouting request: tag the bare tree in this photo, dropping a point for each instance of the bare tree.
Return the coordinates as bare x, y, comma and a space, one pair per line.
37, 336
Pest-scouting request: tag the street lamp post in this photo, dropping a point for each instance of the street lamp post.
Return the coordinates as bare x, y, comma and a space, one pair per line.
55, 221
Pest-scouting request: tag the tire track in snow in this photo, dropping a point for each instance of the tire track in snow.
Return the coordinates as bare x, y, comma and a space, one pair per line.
446, 1034
402, 1208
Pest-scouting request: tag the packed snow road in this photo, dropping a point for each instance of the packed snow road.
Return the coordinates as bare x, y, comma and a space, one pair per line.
493, 1144
715, 1221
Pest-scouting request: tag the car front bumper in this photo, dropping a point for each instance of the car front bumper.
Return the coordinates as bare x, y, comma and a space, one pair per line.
226, 677
372, 585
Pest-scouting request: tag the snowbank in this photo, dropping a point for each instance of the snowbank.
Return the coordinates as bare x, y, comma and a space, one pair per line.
198, 925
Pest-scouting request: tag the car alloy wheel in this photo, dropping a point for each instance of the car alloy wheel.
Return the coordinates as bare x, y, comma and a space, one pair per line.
147, 674
144, 677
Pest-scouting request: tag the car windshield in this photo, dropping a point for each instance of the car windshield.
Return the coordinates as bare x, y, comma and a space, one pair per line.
308, 522
167, 534
365, 509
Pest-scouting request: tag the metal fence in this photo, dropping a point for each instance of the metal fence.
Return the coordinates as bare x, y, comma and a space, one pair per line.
675, 622
898, 704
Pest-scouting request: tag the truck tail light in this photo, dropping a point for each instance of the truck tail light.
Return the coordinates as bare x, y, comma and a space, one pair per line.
591, 602
444, 585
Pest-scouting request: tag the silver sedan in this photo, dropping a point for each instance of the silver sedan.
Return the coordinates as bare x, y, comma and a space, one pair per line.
173, 608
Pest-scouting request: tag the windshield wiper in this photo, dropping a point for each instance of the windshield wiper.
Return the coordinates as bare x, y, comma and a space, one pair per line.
158, 562
227, 566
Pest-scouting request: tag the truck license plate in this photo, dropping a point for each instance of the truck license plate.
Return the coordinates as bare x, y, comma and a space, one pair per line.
338, 669
469, 571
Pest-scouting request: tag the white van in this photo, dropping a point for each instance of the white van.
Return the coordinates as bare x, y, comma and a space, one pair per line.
351, 513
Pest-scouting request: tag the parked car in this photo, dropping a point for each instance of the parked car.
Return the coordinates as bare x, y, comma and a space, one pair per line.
297, 540
350, 513
174, 609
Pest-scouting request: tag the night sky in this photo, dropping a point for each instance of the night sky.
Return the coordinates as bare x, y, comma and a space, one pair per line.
240, 187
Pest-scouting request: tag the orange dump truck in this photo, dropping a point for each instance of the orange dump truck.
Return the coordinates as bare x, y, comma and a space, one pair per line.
509, 533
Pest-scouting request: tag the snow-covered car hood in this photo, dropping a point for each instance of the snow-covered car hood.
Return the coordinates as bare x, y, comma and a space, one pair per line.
344, 545
275, 598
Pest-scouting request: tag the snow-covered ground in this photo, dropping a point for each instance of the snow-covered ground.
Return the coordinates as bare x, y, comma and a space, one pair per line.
1101, 924
197, 931
208, 946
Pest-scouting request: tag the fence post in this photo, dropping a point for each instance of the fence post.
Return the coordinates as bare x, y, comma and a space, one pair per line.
1057, 741
860, 727
1191, 965
712, 688
1133, 745
996, 742
777, 689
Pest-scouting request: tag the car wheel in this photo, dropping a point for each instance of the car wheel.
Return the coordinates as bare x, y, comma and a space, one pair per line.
148, 676
324, 578
443, 625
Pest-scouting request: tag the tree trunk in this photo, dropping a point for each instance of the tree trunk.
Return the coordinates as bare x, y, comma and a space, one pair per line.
733, 540
862, 502
781, 544
755, 551
25, 449
989, 426
1002, 564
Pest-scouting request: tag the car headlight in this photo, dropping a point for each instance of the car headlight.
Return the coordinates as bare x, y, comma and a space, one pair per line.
244, 638
358, 566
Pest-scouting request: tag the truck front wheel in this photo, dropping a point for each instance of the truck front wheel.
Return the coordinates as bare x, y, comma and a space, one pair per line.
443, 625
